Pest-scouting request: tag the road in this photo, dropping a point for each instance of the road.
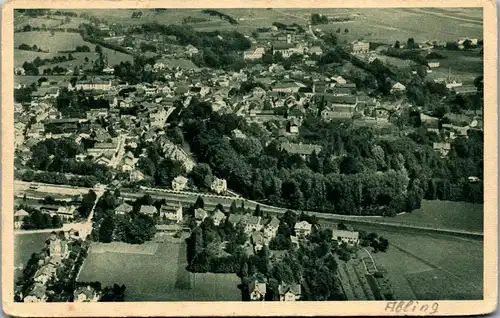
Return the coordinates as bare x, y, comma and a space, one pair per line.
84, 228
211, 200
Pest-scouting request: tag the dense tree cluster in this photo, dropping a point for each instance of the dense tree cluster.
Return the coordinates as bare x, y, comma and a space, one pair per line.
162, 170
39, 220
355, 173
56, 178
221, 15
317, 18
75, 104
27, 47
216, 249
23, 94
133, 228
58, 155
31, 68
407, 54
312, 265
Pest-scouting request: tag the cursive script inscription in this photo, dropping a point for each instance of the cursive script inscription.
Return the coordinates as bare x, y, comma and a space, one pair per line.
412, 306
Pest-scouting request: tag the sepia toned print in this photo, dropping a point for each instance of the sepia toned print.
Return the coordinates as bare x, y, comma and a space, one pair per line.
278, 155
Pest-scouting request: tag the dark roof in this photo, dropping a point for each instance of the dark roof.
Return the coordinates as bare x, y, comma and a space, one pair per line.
347, 85
301, 149
337, 99
282, 46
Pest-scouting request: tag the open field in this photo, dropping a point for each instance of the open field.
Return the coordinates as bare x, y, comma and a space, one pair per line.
60, 42
442, 214
170, 282
444, 263
24, 246
466, 65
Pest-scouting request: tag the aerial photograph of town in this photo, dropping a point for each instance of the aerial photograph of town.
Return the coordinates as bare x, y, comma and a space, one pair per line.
258, 154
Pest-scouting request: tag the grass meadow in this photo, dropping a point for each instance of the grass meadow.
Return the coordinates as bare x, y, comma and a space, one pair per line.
159, 277
442, 214
424, 267
60, 41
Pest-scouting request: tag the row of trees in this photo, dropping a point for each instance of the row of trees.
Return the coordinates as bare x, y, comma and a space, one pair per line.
28, 175
39, 220
221, 15
27, 47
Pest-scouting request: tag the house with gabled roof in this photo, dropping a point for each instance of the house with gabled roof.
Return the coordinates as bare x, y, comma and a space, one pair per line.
303, 229
257, 290
124, 209
200, 215
172, 213
37, 294
301, 149
218, 217
271, 228
289, 292
149, 210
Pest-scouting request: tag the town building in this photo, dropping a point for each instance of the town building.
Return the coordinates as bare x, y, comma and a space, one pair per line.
253, 223
93, 84
179, 183
289, 292
219, 186
254, 54
443, 148
200, 215
357, 47
218, 217
124, 209
86, 294
303, 229
19, 216
286, 49
37, 294
149, 210
433, 64
304, 150
348, 237
257, 290
271, 228
258, 241
172, 213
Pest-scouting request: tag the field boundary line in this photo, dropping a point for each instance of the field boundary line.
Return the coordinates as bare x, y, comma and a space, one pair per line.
436, 266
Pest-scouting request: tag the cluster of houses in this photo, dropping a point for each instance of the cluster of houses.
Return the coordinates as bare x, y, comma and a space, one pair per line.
290, 292
60, 248
65, 209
